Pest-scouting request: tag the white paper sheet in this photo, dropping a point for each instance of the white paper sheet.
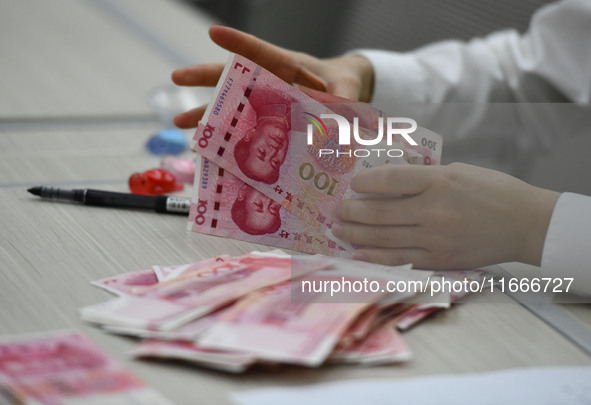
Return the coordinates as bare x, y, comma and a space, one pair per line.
552, 385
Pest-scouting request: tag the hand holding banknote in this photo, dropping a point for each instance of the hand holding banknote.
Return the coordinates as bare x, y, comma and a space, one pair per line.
254, 129
454, 216
347, 76
461, 217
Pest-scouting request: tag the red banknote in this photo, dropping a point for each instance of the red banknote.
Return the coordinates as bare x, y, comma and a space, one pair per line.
66, 367
272, 136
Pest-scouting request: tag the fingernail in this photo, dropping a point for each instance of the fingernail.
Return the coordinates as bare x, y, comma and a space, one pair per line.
337, 229
361, 256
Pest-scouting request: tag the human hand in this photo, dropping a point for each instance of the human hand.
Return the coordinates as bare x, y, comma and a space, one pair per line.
446, 217
346, 76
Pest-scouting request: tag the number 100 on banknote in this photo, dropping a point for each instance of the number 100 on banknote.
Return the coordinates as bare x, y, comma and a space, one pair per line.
291, 155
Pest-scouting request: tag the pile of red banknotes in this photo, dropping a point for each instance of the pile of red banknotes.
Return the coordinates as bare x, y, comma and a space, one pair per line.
230, 313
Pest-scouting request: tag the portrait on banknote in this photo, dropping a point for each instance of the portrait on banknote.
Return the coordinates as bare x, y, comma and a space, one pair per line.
255, 213
262, 150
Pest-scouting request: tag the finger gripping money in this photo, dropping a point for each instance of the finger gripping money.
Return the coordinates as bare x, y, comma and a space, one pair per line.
294, 152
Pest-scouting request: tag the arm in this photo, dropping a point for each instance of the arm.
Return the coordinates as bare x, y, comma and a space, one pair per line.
503, 75
550, 63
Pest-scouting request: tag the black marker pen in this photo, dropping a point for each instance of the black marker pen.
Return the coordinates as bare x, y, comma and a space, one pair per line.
167, 204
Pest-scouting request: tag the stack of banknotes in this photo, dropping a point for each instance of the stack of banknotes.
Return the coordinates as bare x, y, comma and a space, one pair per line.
230, 313
65, 367
273, 159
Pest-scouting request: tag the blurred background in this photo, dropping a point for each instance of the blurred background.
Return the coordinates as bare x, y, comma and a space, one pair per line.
330, 27
55, 53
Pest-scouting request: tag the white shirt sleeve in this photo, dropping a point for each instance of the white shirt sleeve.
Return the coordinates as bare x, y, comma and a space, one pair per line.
550, 63
567, 248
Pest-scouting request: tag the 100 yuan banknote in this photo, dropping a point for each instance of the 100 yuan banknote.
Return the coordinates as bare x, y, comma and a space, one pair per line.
296, 322
267, 324
231, 361
170, 304
66, 367
277, 139
382, 345
223, 205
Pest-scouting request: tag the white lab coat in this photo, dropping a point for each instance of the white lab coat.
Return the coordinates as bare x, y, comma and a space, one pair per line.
550, 63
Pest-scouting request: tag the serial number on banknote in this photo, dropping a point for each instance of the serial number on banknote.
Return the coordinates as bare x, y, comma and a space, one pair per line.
223, 95
205, 175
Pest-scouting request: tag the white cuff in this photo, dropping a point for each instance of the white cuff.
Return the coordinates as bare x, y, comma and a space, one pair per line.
398, 78
567, 248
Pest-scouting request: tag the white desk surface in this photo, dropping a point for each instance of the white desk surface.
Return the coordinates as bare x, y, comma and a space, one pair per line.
68, 58
75, 60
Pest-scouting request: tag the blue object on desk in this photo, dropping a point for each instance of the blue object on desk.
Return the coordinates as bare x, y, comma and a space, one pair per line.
169, 141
